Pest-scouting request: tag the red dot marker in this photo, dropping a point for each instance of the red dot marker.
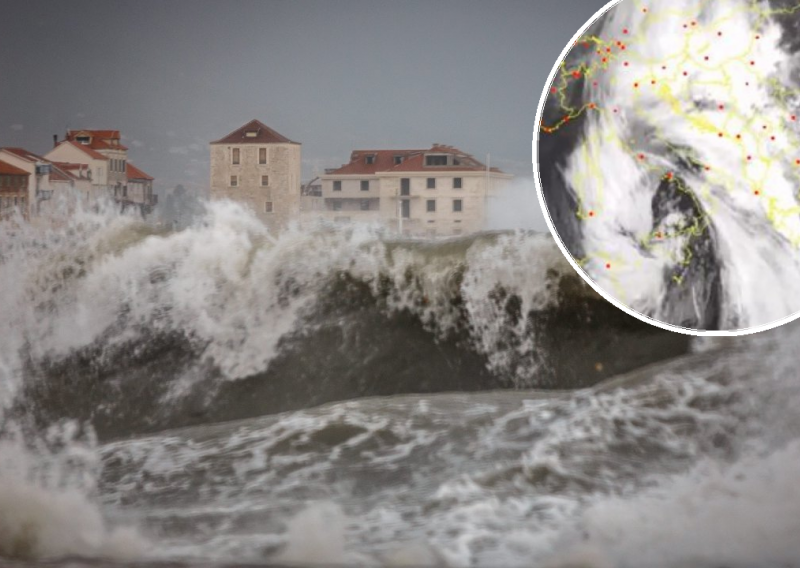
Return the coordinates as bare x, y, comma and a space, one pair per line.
608, 266
591, 213
757, 192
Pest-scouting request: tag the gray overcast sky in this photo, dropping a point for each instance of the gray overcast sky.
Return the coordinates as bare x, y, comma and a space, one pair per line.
335, 75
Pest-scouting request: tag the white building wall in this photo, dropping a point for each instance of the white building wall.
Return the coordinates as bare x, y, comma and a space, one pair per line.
444, 221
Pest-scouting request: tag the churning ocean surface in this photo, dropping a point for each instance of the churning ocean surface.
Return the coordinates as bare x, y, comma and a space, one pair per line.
340, 396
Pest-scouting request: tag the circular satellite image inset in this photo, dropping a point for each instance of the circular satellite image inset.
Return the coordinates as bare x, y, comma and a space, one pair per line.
668, 160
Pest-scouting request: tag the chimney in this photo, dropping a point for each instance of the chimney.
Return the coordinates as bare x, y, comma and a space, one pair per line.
55, 140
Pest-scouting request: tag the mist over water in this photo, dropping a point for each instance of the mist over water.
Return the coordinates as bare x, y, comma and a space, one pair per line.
344, 396
516, 207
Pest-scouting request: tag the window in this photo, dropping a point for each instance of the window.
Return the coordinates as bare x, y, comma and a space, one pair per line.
405, 208
82, 139
262, 155
365, 204
457, 183
124, 165
436, 160
337, 185
431, 183
398, 160
268, 207
365, 185
235, 156
431, 205
251, 134
370, 159
457, 205
264, 181
234, 181
124, 191
337, 204
405, 186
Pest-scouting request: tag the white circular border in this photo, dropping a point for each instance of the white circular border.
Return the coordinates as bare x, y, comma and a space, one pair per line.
538, 182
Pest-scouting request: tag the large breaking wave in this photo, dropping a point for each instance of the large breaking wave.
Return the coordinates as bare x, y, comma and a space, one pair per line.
270, 357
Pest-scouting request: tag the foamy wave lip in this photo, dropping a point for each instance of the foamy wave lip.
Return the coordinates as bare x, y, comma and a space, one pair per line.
236, 292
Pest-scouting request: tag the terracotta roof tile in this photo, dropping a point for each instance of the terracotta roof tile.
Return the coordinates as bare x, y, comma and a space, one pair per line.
24, 154
99, 139
412, 161
135, 173
86, 150
263, 135
8, 169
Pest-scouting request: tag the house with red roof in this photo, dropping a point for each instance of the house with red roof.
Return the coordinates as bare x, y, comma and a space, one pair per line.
50, 182
138, 191
13, 190
260, 168
106, 158
437, 191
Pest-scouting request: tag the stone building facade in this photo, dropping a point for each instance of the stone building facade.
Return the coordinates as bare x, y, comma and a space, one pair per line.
260, 168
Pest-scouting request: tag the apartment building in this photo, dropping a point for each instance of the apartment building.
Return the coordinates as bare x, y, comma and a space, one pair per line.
439, 191
260, 168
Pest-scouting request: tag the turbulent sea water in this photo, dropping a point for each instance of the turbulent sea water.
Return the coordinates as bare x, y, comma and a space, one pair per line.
216, 396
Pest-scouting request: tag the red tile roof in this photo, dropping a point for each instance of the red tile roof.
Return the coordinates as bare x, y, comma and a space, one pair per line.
24, 154
9, 170
86, 150
264, 135
135, 173
98, 133
99, 139
413, 161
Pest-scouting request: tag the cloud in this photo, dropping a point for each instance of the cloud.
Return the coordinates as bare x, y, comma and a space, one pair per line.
195, 147
17, 127
183, 151
137, 143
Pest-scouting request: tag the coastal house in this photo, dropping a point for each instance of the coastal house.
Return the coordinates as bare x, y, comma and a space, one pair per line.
106, 159
49, 181
438, 191
257, 166
13, 190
